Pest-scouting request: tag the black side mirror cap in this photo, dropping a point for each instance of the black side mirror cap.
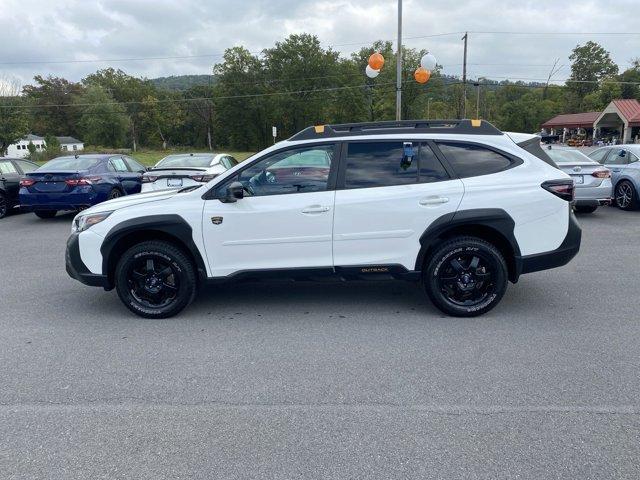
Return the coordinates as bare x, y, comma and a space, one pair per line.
235, 192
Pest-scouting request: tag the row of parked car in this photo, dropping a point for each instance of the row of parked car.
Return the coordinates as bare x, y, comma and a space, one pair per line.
77, 182
607, 175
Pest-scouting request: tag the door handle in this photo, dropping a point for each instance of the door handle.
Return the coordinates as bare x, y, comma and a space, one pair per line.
315, 209
616, 169
433, 201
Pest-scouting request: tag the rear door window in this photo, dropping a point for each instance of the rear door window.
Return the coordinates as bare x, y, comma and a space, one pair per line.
469, 160
385, 164
118, 164
7, 168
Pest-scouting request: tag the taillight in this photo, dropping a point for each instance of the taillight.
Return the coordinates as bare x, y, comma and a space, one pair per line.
27, 182
604, 173
74, 182
202, 178
148, 179
564, 189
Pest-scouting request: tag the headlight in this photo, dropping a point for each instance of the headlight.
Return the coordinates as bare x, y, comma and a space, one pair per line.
82, 222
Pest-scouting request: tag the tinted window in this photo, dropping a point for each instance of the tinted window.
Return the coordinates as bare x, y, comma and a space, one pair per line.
473, 160
7, 167
26, 167
617, 157
598, 155
118, 164
134, 166
301, 170
173, 161
383, 164
70, 163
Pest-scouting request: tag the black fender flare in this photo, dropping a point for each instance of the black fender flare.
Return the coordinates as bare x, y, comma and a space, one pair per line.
171, 225
494, 219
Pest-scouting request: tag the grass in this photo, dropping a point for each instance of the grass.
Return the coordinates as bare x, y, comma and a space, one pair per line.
151, 157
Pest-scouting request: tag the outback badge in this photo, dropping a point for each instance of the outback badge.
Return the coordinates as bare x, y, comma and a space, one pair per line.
216, 220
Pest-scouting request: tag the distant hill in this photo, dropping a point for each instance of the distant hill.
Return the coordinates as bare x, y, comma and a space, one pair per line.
182, 82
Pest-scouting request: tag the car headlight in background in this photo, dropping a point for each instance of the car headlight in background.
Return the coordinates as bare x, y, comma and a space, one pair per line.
82, 222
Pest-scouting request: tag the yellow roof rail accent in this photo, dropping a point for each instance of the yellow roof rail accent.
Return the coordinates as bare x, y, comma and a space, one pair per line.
476, 123
319, 128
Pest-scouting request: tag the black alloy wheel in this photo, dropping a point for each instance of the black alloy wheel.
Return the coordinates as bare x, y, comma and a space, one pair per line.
466, 276
155, 279
625, 195
115, 193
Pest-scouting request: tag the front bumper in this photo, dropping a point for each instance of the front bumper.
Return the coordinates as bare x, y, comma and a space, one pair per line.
555, 258
78, 270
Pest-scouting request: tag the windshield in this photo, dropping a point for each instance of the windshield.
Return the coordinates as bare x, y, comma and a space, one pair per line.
568, 156
173, 161
70, 163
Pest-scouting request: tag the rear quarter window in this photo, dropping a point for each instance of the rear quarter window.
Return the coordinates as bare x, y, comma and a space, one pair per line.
469, 160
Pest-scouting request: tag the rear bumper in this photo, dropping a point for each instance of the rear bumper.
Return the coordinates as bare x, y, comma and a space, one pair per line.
555, 258
589, 202
78, 270
58, 201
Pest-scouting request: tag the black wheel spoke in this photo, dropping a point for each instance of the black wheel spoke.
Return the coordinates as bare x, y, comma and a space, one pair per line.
457, 266
153, 282
150, 266
467, 279
475, 261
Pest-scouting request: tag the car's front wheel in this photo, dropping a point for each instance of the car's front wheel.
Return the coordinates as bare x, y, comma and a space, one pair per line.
465, 276
626, 196
155, 279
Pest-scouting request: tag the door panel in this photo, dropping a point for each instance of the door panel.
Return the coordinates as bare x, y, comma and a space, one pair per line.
382, 226
393, 190
10, 179
269, 232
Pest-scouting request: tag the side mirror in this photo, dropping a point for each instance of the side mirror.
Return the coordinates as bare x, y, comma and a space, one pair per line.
235, 192
622, 154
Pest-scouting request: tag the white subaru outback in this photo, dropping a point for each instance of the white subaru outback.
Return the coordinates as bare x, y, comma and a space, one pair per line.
456, 205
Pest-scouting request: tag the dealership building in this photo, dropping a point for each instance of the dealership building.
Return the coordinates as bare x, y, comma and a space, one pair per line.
619, 120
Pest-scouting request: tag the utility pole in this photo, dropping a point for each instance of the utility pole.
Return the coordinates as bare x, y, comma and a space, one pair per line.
428, 108
477, 85
464, 76
399, 65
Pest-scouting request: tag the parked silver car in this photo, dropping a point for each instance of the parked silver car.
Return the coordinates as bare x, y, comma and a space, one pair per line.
592, 180
624, 163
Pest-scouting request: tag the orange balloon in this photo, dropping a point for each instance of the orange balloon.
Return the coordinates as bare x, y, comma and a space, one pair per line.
421, 75
376, 61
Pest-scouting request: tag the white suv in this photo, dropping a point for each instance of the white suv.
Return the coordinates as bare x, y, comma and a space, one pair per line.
457, 205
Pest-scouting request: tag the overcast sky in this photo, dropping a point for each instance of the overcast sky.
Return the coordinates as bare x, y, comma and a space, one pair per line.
62, 30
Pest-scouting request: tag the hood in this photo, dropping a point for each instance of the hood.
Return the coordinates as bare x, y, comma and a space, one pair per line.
129, 200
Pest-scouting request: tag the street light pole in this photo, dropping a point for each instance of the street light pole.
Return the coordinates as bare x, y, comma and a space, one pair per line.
399, 65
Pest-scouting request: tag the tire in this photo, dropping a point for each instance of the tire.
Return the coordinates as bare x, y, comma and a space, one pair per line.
45, 213
115, 193
585, 209
4, 205
626, 196
458, 288
143, 287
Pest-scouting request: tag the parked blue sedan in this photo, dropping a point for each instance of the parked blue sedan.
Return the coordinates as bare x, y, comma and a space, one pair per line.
78, 182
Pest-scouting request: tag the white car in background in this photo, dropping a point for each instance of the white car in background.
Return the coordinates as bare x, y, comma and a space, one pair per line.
186, 170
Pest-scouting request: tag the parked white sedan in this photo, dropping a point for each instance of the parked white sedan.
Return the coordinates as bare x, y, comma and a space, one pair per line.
186, 170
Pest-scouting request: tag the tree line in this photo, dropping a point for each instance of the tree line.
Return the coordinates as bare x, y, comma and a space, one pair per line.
294, 84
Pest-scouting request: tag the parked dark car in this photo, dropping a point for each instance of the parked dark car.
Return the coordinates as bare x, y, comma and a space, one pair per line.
11, 169
78, 182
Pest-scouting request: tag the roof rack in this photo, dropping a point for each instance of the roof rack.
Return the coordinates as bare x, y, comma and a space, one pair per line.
465, 127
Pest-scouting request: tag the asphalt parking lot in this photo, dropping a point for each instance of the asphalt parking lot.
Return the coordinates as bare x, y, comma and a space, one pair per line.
303, 380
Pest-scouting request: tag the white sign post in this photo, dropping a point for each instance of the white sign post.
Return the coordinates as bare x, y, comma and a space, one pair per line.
274, 132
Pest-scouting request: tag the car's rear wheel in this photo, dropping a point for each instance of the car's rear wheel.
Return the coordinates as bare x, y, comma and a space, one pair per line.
45, 213
626, 196
4, 205
155, 279
465, 276
585, 209
115, 193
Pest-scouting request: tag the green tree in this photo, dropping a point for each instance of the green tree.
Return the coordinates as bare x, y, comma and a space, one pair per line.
631, 78
590, 63
51, 98
102, 121
14, 123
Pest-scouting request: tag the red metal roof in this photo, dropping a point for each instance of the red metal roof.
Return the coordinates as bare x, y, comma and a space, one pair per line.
630, 108
572, 120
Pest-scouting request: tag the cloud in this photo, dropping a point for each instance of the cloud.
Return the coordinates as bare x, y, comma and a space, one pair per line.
42, 30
